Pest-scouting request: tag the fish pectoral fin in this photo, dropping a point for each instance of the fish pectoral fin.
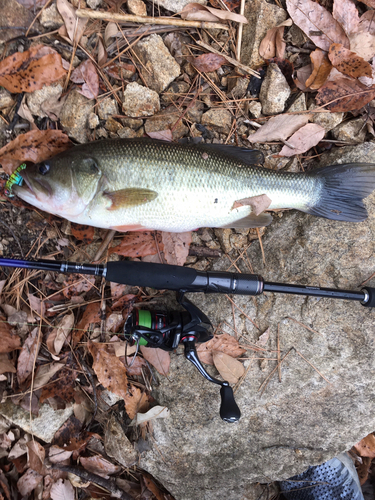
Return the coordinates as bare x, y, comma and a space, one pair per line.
258, 203
251, 220
130, 197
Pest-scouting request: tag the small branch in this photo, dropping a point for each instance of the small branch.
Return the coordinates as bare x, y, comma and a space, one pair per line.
239, 32
229, 59
105, 243
166, 21
263, 386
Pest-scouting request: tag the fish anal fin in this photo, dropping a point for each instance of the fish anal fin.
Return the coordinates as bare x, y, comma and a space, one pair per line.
258, 203
129, 227
251, 220
130, 197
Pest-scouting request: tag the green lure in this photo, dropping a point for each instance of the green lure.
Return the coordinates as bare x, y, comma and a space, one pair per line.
15, 179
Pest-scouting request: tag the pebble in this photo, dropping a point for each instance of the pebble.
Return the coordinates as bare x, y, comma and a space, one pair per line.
137, 7
353, 131
36, 99
93, 120
239, 91
299, 104
274, 92
161, 67
50, 18
129, 133
175, 91
133, 123
223, 235
13, 13
94, 4
195, 111
219, 118
140, 101
175, 5
6, 100
74, 116
107, 108
255, 108
238, 241
164, 121
112, 125
326, 120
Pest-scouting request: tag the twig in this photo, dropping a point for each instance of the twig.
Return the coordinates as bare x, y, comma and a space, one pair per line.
239, 33
261, 245
166, 21
94, 395
307, 361
106, 241
230, 59
305, 326
265, 383
235, 305
94, 478
278, 351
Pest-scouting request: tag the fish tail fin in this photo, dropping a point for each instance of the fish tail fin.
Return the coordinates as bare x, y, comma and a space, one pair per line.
343, 188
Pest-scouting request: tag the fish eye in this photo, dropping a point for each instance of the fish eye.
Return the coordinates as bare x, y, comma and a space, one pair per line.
43, 168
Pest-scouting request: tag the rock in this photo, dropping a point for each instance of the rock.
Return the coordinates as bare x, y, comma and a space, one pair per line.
94, 4
137, 7
303, 420
128, 133
175, 91
223, 235
218, 118
107, 108
13, 14
133, 123
164, 121
353, 131
326, 120
117, 445
195, 112
255, 108
93, 121
44, 426
6, 100
298, 105
38, 101
50, 18
238, 241
175, 5
112, 125
161, 67
262, 16
274, 92
239, 90
140, 101
74, 116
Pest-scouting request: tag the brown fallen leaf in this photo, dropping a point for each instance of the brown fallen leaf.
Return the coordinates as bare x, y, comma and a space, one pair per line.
27, 357
176, 247
90, 316
302, 75
28, 482
74, 26
112, 375
363, 470
348, 62
222, 343
60, 334
99, 465
136, 368
279, 128
62, 385
34, 146
317, 23
231, 4
347, 95
362, 40
304, 139
198, 12
135, 244
36, 456
158, 358
83, 232
321, 69
152, 486
208, 62
258, 203
102, 51
162, 135
346, 13
86, 73
9, 341
45, 373
366, 447
62, 490
229, 368
273, 44
57, 455
6, 364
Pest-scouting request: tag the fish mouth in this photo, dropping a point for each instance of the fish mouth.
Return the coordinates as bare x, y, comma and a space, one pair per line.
32, 190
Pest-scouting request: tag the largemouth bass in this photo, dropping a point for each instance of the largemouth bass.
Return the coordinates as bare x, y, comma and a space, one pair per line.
139, 184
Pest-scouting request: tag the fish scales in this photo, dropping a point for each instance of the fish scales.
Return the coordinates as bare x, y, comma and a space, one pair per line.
135, 184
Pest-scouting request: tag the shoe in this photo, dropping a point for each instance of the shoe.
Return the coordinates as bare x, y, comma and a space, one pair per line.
336, 479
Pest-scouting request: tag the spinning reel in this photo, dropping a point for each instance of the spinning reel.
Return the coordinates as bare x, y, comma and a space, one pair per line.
167, 330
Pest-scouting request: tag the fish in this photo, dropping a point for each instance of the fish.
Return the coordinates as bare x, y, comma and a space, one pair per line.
143, 184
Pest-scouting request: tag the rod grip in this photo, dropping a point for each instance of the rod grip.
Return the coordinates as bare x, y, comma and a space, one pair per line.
371, 300
229, 410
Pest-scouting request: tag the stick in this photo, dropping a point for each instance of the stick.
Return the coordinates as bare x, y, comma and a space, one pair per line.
239, 33
229, 59
166, 21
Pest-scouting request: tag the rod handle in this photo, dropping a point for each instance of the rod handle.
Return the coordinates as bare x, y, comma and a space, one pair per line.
371, 297
229, 410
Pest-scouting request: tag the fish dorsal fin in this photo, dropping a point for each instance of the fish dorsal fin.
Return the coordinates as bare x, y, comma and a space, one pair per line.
248, 156
251, 220
130, 197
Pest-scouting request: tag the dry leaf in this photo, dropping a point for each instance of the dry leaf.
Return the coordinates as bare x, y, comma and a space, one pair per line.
74, 26
112, 375
317, 23
363, 470
258, 203
111, 31
57, 455
155, 412
152, 486
348, 62
346, 13
322, 68
347, 95
27, 357
273, 44
61, 333
362, 41
223, 343
9, 342
62, 490
62, 386
90, 316
99, 465
34, 146
135, 244
45, 373
28, 482
6, 364
304, 139
136, 368
176, 247
83, 232
158, 358
36, 456
86, 73
102, 51
162, 135
279, 128
198, 12
31, 70
302, 75
366, 447
229, 368
231, 4
263, 339
208, 62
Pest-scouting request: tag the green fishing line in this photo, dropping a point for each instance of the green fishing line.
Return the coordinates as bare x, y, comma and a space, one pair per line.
15, 179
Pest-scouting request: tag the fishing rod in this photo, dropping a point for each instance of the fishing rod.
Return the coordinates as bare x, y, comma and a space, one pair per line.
166, 330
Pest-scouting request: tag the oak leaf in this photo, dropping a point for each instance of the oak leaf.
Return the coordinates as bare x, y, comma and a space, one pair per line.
83, 232
279, 128
229, 368
362, 40
60, 334
304, 139
28, 482
62, 490
6, 364
90, 316
273, 44
348, 62
74, 26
